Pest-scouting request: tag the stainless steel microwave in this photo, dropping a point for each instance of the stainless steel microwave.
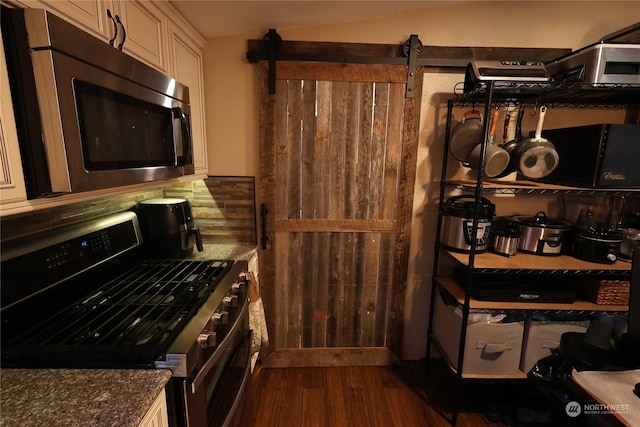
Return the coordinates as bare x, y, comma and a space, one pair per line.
89, 116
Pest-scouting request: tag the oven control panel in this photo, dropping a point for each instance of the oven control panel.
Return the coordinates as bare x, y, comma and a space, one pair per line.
32, 265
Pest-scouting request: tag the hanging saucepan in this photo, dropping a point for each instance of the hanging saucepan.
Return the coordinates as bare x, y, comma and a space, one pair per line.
496, 159
511, 143
535, 157
466, 135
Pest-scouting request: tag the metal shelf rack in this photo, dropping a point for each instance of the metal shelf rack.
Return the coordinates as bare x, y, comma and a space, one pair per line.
493, 94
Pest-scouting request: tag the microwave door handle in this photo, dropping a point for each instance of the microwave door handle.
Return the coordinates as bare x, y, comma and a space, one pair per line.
182, 136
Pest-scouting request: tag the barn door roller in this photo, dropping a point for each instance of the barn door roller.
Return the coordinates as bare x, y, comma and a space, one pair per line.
272, 43
411, 50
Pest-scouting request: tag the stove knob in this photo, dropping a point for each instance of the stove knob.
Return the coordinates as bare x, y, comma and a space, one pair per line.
207, 340
230, 301
220, 318
237, 287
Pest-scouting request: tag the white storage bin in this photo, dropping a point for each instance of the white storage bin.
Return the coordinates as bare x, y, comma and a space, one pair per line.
490, 348
542, 337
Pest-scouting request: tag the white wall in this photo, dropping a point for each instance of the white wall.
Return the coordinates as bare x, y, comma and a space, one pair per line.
232, 100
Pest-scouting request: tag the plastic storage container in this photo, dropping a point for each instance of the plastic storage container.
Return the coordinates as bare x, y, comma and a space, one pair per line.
490, 348
542, 337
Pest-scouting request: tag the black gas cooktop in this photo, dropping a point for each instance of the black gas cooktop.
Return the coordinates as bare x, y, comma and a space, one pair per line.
90, 297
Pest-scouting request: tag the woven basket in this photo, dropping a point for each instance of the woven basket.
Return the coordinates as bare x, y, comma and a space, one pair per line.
606, 292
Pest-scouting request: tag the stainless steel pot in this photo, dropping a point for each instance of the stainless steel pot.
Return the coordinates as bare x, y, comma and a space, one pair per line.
457, 223
506, 241
541, 235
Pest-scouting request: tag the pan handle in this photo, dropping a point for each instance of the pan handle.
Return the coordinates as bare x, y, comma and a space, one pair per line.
543, 111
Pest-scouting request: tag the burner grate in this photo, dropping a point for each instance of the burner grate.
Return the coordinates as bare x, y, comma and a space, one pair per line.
142, 310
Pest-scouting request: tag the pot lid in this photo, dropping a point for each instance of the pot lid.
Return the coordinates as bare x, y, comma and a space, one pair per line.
464, 206
541, 220
507, 232
599, 232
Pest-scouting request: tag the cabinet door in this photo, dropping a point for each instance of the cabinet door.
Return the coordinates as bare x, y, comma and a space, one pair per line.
145, 27
186, 67
157, 415
12, 187
90, 15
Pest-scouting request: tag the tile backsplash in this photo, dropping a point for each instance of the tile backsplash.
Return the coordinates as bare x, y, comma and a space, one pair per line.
223, 208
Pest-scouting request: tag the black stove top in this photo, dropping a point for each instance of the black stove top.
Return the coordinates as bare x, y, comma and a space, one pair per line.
112, 312
136, 315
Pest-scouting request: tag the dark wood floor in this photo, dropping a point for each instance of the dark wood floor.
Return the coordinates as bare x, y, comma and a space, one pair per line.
351, 396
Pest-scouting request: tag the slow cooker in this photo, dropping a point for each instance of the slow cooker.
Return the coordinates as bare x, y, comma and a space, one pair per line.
457, 223
596, 244
540, 234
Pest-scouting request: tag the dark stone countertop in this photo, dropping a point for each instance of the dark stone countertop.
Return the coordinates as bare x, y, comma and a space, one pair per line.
234, 251
78, 397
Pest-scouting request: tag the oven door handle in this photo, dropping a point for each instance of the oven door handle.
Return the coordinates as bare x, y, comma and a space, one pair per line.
202, 373
243, 385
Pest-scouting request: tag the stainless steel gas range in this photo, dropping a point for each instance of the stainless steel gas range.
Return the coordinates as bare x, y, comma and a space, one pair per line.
85, 296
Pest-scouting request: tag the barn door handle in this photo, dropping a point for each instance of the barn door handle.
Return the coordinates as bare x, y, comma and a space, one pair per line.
263, 223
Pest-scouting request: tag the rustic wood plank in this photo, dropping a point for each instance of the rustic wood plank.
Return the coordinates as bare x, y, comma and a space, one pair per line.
370, 284
294, 153
308, 194
267, 259
323, 195
281, 312
279, 208
326, 71
325, 357
354, 106
363, 152
404, 215
430, 55
335, 225
394, 150
281, 121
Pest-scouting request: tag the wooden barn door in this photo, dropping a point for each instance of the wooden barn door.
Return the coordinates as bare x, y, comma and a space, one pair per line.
338, 159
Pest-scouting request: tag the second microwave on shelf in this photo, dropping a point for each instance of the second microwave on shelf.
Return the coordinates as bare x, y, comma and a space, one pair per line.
89, 116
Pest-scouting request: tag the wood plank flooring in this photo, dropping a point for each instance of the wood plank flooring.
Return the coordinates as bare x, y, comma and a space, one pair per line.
351, 396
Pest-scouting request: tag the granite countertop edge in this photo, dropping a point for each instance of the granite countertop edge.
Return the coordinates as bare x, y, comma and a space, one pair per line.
234, 251
78, 397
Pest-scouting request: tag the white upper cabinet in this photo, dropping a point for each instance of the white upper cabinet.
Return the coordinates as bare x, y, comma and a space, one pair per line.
90, 15
12, 188
186, 67
141, 31
139, 27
